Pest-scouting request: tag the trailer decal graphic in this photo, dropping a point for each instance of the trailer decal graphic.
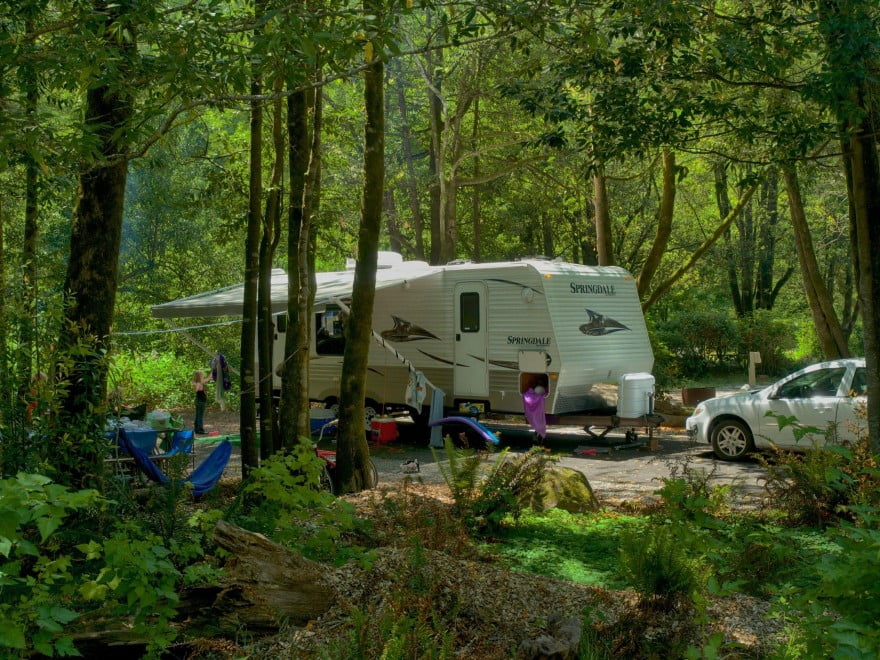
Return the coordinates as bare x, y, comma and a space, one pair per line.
403, 330
524, 286
599, 325
440, 359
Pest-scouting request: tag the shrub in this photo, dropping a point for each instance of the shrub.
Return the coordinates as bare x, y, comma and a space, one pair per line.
762, 331
483, 502
823, 484
701, 339
660, 566
160, 380
283, 499
839, 614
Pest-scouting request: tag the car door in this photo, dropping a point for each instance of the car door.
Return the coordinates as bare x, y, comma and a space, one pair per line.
812, 399
852, 409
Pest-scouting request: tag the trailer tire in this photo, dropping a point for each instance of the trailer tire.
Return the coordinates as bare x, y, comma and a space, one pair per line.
326, 480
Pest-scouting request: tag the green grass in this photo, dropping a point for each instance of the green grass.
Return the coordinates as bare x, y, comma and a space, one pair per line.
582, 548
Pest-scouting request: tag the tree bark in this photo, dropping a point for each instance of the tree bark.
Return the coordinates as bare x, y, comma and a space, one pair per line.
265, 323
91, 280
352, 452
604, 248
250, 449
412, 183
294, 392
828, 329
266, 585
664, 225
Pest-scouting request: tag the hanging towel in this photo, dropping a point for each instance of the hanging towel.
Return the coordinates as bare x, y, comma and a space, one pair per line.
416, 389
533, 406
436, 415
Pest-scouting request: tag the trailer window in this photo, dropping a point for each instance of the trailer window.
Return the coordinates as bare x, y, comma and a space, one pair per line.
469, 311
330, 332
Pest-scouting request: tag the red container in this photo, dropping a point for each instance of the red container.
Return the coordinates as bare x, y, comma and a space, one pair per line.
383, 431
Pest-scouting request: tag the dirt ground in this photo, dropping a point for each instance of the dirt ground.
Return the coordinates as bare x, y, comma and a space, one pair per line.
617, 471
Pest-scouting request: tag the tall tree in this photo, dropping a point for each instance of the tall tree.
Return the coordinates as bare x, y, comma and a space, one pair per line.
352, 451
250, 448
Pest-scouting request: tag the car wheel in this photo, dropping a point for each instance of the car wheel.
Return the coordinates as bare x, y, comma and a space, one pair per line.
732, 440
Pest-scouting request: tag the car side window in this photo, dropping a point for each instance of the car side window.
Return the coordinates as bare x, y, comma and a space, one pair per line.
823, 382
859, 385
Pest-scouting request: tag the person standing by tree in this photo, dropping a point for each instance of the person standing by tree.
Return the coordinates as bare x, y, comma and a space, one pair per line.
198, 383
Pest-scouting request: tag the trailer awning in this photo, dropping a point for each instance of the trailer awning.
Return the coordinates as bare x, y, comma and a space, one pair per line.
331, 286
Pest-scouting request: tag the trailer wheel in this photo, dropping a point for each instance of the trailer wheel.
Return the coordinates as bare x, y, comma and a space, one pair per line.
332, 403
371, 409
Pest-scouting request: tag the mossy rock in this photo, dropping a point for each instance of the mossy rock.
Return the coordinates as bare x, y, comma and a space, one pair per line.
563, 488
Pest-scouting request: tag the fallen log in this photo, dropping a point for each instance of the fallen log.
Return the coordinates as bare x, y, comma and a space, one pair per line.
267, 585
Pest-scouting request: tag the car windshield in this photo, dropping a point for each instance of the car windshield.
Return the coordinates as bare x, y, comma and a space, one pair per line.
821, 382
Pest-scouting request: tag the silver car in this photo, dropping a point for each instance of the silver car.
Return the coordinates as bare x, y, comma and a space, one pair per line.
828, 398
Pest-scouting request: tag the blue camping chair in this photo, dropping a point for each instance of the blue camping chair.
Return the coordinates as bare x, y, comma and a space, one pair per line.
144, 439
182, 442
203, 478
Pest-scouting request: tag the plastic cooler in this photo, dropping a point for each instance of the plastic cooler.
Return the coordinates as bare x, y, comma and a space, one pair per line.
635, 395
320, 417
383, 430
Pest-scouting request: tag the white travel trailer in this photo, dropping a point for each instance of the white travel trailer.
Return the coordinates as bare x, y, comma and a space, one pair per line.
481, 333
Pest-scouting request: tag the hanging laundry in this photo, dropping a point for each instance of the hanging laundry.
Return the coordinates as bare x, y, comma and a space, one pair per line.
533, 407
220, 375
416, 390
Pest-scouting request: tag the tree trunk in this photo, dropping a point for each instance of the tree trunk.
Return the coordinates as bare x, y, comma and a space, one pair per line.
412, 185
435, 116
664, 225
27, 346
295, 390
828, 328
766, 291
250, 449
862, 153
856, 108
265, 323
722, 201
90, 284
604, 249
666, 284
476, 218
352, 452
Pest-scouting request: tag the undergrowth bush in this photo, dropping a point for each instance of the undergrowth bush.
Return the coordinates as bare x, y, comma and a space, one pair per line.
662, 566
160, 380
822, 485
484, 494
283, 499
49, 580
837, 616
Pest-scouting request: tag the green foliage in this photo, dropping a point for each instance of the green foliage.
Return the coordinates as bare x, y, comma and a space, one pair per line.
283, 499
660, 566
35, 575
763, 331
823, 485
700, 339
48, 584
161, 380
838, 615
690, 497
567, 546
484, 502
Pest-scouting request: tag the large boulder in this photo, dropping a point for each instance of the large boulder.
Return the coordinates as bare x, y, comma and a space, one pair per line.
563, 488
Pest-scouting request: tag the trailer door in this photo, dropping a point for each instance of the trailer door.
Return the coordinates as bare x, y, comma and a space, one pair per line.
471, 340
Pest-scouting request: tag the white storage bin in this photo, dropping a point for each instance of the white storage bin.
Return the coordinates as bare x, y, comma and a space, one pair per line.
635, 395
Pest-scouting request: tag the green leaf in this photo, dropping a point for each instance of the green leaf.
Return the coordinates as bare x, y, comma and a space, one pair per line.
11, 634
